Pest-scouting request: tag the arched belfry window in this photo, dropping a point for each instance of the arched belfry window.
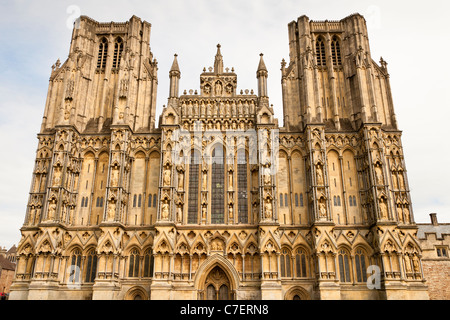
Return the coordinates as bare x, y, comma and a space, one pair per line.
102, 53
320, 52
336, 51
118, 48
242, 186
217, 185
193, 187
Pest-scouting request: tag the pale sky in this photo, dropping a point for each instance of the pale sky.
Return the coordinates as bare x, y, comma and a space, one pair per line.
412, 36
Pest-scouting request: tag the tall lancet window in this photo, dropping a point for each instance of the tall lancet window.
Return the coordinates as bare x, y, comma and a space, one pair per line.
118, 48
320, 52
336, 51
242, 186
193, 187
217, 185
102, 53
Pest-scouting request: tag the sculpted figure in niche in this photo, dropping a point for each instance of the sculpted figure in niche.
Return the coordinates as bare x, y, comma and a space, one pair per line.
166, 177
111, 211
51, 210
268, 209
319, 175
165, 211
179, 213
379, 174
57, 177
180, 179
408, 263
71, 214
218, 88
322, 210
115, 177
230, 213
383, 209
204, 213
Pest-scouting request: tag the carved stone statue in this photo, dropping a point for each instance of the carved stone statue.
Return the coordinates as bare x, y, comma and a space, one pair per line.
166, 177
111, 211
180, 180
115, 177
218, 88
230, 212
383, 209
319, 172
165, 211
51, 210
57, 177
322, 210
204, 213
268, 209
379, 174
179, 213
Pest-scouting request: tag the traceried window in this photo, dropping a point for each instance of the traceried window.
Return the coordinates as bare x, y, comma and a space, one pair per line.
75, 267
154, 201
148, 264
301, 199
193, 187
285, 262
133, 269
217, 185
118, 48
300, 263
102, 53
149, 201
242, 186
360, 263
91, 267
336, 51
296, 199
344, 266
320, 52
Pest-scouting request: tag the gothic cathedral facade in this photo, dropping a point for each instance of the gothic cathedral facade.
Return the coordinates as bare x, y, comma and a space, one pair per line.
218, 201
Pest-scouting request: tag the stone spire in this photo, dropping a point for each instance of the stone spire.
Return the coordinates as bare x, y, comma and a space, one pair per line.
174, 76
218, 63
262, 65
175, 67
261, 75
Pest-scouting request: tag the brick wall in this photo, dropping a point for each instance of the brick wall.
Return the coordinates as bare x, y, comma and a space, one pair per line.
6, 279
437, 274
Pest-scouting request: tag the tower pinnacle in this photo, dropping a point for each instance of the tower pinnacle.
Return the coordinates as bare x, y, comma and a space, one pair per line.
218, 63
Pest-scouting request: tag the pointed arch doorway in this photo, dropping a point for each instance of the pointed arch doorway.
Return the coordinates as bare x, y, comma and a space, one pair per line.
218, 286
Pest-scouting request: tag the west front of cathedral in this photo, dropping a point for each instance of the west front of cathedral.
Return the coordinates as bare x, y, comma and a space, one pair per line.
212, 199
